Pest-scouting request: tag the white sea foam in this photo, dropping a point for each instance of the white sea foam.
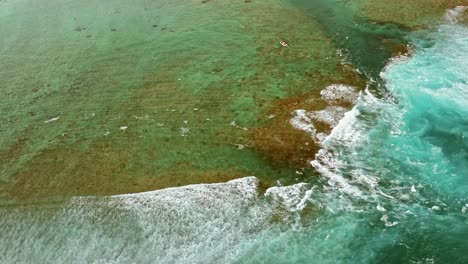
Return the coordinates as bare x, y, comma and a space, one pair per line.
202, 223
357, 159
380, 208
328, 166
330, 115
351, 130
350, 133
294, 198
452, 15
244, 187
386, 221
339, 92
328, 163
303, 121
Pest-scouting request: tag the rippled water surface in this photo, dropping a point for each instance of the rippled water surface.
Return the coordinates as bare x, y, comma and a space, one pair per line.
102, 103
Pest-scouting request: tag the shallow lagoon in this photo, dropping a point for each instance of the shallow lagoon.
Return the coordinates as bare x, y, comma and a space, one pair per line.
189, 88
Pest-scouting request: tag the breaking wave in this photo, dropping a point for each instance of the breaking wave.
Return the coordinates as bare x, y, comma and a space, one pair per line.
394, 189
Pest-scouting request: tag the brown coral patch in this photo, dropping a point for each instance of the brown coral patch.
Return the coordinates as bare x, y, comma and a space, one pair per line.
103, 169
396, 48
13, 152
285, 145
278, 140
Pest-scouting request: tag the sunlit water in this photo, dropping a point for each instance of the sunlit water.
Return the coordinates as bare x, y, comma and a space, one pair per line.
403, 160
394, 190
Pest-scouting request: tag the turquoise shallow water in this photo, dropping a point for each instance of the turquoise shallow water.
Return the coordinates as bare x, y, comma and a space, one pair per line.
393, 190
405, 156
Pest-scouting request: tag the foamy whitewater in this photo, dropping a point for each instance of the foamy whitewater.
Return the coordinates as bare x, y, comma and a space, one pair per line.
393, 189
334, 94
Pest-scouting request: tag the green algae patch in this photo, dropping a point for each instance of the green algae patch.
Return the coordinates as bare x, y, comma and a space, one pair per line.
245, 109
